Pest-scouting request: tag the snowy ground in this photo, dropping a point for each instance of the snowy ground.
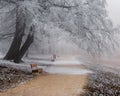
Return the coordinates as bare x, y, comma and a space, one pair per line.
46, 60
59, 66
62, 70
54, 68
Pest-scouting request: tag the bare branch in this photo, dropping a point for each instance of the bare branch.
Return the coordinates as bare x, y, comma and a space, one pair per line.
63, 6
6, 36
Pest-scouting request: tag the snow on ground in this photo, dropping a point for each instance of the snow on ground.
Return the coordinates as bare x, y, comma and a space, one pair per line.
50, 67
63, 70
58, 61
22, 66
72, 61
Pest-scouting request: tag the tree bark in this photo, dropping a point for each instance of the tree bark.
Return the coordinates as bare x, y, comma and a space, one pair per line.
24, 48
16, 51
16, 43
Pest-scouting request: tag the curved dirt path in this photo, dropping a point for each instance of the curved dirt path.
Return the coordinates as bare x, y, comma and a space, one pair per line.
51, 85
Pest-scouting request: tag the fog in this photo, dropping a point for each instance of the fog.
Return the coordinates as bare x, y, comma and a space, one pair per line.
113, 7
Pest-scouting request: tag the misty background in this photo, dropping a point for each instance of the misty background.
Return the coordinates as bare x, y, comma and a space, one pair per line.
113, 7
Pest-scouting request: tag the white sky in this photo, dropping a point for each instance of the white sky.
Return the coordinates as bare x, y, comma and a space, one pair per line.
113, 7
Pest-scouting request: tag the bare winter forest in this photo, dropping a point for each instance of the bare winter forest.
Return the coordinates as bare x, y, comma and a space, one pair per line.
58, 48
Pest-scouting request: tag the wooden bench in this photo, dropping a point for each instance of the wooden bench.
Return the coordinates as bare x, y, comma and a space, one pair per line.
35, 69
53, 57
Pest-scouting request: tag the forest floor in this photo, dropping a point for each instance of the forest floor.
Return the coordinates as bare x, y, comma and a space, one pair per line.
10, 78
53, 84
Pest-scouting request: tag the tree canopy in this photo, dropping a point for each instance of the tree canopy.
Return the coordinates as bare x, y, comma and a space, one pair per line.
83, 22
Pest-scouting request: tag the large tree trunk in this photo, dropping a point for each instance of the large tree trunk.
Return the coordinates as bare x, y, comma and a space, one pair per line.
17, 50
25, 47
16, 43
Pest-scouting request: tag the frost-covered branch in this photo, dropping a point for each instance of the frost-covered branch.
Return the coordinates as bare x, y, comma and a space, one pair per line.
87, 22
63, 6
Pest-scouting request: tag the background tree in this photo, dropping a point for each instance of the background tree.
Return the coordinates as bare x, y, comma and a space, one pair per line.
23, 21
85, 22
